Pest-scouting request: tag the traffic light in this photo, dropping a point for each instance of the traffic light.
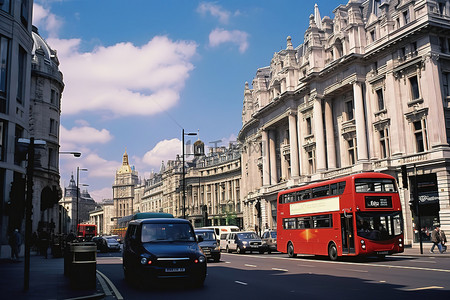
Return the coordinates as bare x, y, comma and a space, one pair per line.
404, 177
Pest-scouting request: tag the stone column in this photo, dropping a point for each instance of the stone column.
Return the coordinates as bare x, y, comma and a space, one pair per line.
293, 145
319, 136
265, 157
273, 157
360, 122
331, 145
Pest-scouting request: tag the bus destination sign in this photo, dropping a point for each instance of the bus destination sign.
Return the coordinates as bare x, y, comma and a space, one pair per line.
378, 201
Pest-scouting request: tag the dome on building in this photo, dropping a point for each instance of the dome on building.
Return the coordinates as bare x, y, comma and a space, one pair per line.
41, 46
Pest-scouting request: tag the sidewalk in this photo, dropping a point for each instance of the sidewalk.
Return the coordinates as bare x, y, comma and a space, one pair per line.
47, 280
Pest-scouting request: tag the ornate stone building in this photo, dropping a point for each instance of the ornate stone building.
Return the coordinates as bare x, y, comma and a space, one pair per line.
45, 110
212, 186
103, 216
123, 189
76, 205
366, 91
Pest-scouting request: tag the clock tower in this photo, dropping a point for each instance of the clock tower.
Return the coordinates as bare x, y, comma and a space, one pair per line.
123, 189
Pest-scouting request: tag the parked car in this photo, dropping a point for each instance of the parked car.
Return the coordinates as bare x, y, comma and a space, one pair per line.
162, 249
269, 238
210, 245
106, 243
242, 242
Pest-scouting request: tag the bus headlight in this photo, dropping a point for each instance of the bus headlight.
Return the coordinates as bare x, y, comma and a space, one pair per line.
363, 244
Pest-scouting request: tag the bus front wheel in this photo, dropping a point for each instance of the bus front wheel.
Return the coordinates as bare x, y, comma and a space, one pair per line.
332, 252
290, 250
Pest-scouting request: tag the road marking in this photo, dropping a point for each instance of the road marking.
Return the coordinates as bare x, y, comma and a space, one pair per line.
356, 264
426, 288
354, 270
253, 266
240, 282
283, 270
105, 288
382, 281
113, 287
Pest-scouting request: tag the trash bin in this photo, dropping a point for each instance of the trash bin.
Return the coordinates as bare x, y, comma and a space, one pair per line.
82, 265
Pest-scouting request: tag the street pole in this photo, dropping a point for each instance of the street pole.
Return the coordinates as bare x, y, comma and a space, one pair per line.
28, 214
184, 184
417, 208
78, 196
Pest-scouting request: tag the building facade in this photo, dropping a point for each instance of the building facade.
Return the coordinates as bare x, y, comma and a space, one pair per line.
103, 217
77, 204
16, 45
211, 188
366, 91
45, 110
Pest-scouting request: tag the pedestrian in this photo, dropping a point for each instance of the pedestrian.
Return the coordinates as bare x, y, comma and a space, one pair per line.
443, 240
15, 240
436, 239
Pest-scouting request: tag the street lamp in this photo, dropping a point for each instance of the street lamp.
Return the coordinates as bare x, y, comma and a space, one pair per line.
184, 183
78, 193
74, 153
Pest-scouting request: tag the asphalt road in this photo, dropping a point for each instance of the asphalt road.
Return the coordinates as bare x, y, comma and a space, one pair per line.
275, 276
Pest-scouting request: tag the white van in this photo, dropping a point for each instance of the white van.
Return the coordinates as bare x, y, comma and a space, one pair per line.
219, 230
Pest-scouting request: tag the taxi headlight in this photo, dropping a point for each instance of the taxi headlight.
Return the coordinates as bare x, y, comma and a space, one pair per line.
201, 259
144, 260
244, 242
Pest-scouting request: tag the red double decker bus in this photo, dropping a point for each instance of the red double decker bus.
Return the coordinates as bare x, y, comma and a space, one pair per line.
85, 232
348, 216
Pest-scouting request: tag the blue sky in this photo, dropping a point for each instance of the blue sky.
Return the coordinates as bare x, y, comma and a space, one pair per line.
136, 72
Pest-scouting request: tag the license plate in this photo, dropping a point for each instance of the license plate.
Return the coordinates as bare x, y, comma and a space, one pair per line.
174, 270
382, 252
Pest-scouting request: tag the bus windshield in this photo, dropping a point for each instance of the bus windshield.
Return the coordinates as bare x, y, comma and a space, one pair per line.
375, 185
379, 226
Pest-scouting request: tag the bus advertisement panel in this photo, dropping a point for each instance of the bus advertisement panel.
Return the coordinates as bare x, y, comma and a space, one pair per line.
357, 215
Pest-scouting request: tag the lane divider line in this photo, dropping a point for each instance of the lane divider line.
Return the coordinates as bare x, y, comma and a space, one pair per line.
105, 288
113, 287
277, 269
240, 282
426, 288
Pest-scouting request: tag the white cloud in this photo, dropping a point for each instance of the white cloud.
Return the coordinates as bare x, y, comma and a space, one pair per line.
43, 18
215, 10
101, 194
220, 36
84, 135
124, 79
163, 151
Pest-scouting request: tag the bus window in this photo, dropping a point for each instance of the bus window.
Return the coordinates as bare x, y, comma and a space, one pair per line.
377, 185
322, 221
304, 195
304, 222
321, 191
289, 223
